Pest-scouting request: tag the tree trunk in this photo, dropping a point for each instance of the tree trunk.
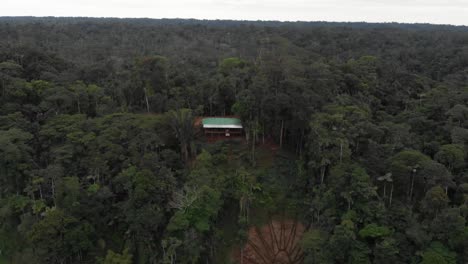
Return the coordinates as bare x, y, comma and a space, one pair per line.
300, 142
281, 134
341, 150
391, 195
411, 188
147, 102
184, 149
78, 103
211, 107
322, 174
253, 150
263, 134
53, 192
254, 137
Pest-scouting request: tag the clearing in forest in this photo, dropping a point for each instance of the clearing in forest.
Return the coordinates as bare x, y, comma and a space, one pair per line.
274, 243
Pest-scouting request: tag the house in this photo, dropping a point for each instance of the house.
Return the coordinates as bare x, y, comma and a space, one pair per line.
222, 126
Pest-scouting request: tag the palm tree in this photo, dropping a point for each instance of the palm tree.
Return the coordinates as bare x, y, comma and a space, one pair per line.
387, 178
181, 122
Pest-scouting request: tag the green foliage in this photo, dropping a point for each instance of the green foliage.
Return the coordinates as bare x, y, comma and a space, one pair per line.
68, 191
60, 236
93, 188
198, 204
452, 155
202, 211
359, 254
374, 231
435, 200
312, 244
405, 161
181, 122
386, 251
353, 188
439, 254
229, 64
38, 206
405, 167
343, 240
116, 258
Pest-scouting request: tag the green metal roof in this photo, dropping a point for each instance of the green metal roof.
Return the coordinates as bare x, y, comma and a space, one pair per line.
221, 122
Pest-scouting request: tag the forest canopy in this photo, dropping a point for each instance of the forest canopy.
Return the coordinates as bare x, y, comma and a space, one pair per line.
355, 139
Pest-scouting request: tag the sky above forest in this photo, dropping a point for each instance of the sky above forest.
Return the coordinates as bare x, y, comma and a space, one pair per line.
453, 12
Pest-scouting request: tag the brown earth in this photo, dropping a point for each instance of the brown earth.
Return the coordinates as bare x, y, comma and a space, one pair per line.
274, 243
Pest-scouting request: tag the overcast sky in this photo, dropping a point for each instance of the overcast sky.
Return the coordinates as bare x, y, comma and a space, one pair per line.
423, 11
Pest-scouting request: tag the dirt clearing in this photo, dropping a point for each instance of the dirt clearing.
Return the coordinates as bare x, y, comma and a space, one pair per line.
274, 243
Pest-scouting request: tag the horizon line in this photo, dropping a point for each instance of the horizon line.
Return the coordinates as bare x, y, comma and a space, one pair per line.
243, 20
